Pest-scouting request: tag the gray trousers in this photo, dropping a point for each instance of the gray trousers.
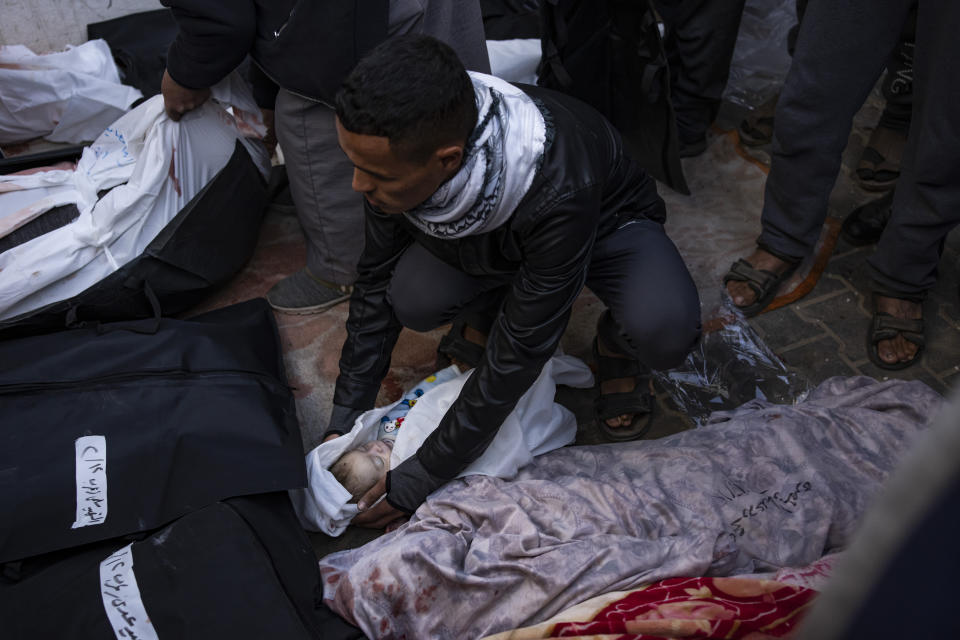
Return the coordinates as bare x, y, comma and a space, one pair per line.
330, 212
841, 49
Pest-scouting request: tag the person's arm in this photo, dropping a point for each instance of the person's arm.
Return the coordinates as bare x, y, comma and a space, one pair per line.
557, 249
213, 38
372, 327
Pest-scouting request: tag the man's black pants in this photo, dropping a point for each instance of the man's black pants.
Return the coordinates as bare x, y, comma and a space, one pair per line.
636, 271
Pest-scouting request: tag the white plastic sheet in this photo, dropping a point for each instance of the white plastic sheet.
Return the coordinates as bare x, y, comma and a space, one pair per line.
68, 96
515, 60
152, 166
536, 425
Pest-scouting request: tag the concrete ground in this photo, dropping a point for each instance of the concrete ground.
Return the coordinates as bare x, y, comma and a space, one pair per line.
819, 336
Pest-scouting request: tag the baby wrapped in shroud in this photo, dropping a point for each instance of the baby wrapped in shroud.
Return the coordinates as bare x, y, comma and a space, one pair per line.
535, 426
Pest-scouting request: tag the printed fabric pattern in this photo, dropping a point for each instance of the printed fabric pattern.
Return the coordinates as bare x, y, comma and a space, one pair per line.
698, 608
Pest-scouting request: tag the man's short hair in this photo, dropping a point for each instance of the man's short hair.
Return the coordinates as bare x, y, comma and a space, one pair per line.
414, 91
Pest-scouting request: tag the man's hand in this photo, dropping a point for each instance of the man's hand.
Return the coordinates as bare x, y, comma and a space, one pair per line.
331, 437
178, 99
380, 516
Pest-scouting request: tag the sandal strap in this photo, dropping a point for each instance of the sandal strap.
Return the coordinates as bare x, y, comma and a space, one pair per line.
872, 156
454, 345
611, 405
886, 327
759, 280
611, 368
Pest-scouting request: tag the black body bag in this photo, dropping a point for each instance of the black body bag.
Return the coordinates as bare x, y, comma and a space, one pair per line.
123, 427
206, 244
241, 568
139, 44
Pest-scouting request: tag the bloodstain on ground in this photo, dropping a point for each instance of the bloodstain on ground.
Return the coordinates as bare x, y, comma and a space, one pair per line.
391, 387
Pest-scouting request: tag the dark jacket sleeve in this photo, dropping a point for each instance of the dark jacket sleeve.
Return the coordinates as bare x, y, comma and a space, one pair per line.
372, 327
265, 90
557, 247
213, 38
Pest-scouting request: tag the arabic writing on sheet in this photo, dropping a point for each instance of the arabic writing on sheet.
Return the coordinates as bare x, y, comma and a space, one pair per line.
758, 502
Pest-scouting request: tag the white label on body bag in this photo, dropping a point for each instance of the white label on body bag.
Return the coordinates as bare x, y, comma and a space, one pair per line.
121, 597
91, 481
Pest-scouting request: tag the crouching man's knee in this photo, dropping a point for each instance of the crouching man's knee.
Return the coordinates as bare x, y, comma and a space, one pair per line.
662, 340
413, 306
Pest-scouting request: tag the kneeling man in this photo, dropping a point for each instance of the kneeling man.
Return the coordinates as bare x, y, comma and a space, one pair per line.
494, 205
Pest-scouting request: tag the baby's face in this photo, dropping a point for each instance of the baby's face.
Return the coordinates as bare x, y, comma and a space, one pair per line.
371, 461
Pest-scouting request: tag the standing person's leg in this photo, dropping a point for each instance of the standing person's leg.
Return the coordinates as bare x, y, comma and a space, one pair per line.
330, 212
841, 49
926, 205
701, 35
652, 321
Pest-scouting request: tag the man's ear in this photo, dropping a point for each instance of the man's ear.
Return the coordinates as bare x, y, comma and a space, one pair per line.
450, 157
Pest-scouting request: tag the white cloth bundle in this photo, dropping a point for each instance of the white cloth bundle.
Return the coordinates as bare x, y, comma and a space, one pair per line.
67, 96
152, 166
536, 425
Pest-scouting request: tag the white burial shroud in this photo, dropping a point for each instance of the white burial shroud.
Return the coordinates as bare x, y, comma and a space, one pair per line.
152, 167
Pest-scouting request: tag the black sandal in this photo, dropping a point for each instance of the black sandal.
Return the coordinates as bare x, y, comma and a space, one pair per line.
637, 401
756, 129
879, 166
454, 346
764, 284
866, 223
884, 326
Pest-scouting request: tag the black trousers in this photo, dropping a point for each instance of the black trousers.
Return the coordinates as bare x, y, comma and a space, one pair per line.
636, 271
897, 86
700, 37
842, 47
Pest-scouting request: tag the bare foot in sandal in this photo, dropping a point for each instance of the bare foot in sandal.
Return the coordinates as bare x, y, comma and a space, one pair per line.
616, 385
879, 165
740, 292
898, 349
625, 403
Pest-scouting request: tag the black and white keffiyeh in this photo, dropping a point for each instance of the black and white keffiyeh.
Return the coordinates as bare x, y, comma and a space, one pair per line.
500, 160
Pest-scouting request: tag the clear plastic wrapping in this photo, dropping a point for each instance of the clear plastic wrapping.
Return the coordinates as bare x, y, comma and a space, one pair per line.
760, 59
731, 365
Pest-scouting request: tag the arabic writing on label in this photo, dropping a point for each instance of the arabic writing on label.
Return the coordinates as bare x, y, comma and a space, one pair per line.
121, 598
91, 481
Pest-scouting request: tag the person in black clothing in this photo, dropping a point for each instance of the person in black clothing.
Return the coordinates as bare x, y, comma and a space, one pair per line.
841, 50
699, 39
489, 201
303, 49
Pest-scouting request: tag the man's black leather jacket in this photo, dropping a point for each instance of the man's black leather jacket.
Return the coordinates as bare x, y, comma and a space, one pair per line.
585, 187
